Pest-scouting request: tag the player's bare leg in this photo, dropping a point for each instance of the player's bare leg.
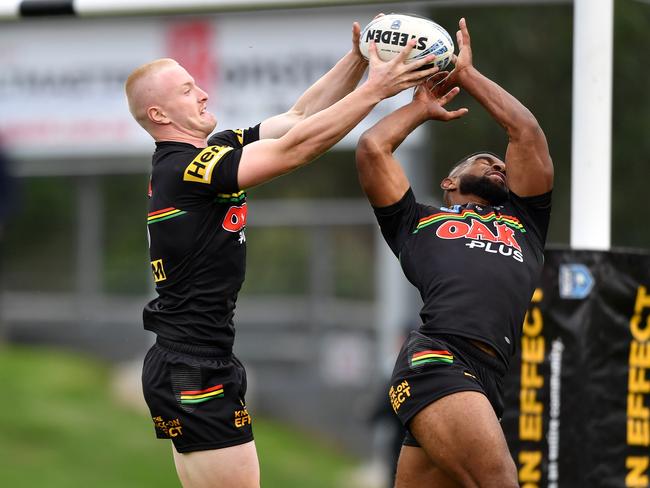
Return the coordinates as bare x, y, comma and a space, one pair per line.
415, 470
230, 467
462, 437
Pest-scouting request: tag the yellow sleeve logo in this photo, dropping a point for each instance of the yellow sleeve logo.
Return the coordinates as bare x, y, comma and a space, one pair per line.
158, 271
240, 136
200, 169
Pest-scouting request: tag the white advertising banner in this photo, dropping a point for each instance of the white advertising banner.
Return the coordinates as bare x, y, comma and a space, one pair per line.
61, 83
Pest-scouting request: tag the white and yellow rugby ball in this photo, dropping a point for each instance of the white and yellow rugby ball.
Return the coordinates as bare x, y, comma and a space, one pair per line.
392, 32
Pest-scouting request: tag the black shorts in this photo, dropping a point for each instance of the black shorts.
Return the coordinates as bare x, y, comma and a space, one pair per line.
431, 367
196, 397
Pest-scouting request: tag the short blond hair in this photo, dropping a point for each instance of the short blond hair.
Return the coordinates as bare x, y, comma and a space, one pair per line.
138, 86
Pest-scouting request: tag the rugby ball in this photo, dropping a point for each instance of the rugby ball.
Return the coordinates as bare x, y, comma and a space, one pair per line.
392, 32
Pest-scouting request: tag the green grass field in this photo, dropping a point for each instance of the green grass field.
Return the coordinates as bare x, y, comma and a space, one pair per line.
60, 428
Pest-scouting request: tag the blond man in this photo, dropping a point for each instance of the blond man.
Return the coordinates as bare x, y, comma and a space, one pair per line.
193, 384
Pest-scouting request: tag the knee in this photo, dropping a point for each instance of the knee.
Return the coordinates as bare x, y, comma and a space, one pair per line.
488, 473
499, 474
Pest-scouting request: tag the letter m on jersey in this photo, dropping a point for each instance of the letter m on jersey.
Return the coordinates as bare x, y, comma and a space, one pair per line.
200, 169
158, 270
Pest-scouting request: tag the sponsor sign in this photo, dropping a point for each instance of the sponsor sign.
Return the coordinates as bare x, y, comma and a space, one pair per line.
65, 97
578, 393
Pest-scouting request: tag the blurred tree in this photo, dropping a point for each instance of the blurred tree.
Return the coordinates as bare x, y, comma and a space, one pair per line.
7, 192
631, 124
39, 252
7, 201
125, 235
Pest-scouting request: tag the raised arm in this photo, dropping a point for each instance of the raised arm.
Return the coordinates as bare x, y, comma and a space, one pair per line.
329, 89
529, 168
308, 139
380, 173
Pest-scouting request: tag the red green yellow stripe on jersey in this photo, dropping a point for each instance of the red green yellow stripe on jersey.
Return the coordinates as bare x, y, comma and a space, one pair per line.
509, 220
431, 356
199, 396
164, 214
230, 197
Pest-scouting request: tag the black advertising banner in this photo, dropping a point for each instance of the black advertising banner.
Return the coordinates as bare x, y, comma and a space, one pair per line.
578, 392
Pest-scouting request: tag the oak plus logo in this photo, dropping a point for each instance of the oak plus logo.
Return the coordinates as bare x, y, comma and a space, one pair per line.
501, 241
235, 219
493, 233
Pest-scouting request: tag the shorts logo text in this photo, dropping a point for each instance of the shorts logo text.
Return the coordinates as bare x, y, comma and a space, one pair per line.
170, 428
242, 418
399, 394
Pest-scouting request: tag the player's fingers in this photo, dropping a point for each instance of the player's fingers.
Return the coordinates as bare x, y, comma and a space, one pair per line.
423, 74
449, 96
381, 14
459, 39
356, 33
443, 86
417, 77
419, 87
373, 55
463, 25
436, 78
421, 63
405, 85
401, 57
456, 114
464, 30
440, 75
427, 84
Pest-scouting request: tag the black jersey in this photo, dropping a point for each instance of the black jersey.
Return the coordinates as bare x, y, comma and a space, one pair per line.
476, 267
197, 245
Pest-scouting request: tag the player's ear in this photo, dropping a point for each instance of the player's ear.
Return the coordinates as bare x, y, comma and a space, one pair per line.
448, 184
157, 115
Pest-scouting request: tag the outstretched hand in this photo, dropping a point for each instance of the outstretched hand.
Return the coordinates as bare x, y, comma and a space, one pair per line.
464, 58
391, 77
428, 94
462, 61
